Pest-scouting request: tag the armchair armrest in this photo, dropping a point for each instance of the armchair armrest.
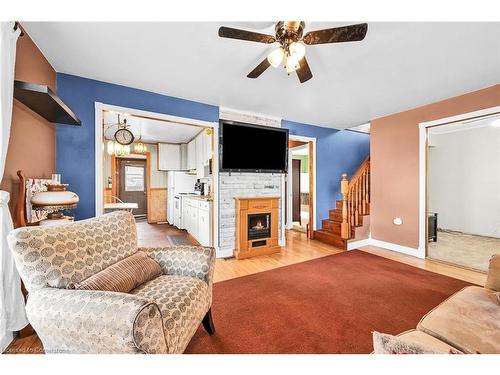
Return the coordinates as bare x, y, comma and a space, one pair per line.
194, 261
89, 321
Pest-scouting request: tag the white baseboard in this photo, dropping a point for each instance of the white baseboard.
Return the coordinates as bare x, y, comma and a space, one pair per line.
399, 248
224, 253
355, 244
387, 245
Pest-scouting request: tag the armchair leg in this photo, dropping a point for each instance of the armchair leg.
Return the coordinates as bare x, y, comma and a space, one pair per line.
208, 323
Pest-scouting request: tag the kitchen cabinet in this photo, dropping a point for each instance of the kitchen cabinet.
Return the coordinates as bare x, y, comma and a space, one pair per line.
203, 152
169, 157
204, 228
191, 155
172, 157
198, 219
208, 148
200, 170
184, 156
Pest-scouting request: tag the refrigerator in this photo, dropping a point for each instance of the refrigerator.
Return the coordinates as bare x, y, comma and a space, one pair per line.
177, 182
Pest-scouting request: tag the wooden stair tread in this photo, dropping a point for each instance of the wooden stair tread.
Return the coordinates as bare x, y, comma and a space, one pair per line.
330, 238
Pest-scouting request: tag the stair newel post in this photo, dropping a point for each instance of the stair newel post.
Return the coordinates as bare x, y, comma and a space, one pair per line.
344, 189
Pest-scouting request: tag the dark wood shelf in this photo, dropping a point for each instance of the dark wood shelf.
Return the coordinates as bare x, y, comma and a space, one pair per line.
42, 100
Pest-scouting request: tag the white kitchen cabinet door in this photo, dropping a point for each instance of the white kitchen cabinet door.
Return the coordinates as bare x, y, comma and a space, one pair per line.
169, 157
194, 222
204, 227
208, 148
200, 171
191, 155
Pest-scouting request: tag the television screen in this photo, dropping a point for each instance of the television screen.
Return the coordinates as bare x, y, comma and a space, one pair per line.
252, 148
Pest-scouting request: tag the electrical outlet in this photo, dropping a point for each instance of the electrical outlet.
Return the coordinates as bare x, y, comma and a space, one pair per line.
397, 221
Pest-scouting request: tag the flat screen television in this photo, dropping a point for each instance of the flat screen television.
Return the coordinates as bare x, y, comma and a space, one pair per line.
252, 148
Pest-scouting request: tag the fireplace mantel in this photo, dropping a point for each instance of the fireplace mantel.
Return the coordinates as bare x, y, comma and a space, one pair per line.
256, 226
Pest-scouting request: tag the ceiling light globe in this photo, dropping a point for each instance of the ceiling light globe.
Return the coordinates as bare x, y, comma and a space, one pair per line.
292, 64
298, 50
110, 147
275, 58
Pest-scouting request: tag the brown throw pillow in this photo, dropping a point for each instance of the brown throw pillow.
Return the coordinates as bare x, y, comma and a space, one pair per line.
123, 276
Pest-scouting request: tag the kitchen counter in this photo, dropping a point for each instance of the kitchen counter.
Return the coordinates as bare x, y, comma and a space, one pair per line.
199, 197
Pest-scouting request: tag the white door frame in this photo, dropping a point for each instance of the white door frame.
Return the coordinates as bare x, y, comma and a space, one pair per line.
99, 151
288, 218
422, 170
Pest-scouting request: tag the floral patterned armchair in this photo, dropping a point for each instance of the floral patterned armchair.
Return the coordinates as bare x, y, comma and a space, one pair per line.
159, 316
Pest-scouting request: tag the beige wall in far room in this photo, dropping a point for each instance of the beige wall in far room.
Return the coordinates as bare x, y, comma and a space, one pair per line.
32, 142
394, 152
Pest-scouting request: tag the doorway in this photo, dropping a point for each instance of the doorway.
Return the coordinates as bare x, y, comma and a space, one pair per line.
132, 185
300, 185
177, 151
463, 181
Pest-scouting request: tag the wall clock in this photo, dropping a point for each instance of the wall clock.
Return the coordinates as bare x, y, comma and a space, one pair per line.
124, 136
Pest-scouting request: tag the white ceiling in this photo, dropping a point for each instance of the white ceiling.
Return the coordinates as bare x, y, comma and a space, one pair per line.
152, 131
398, 66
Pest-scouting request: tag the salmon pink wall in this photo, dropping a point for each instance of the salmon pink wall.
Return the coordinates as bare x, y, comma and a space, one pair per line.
32, 142
394, 151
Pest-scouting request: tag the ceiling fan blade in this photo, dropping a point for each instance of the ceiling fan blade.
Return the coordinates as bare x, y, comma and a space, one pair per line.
352, 33
229, 32
259, 69
304, 72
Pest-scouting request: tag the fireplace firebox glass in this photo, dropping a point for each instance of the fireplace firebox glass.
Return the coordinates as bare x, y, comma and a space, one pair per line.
259, 226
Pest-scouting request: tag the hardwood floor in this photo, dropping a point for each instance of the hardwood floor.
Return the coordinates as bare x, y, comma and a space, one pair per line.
298, 249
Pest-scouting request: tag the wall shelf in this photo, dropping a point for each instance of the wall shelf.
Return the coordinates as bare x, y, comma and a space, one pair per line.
42, 100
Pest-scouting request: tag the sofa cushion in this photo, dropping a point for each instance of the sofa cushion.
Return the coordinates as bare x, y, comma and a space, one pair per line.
428, 341
55, 256
493, 280
469, 320
183, 302
123, 276
410, 342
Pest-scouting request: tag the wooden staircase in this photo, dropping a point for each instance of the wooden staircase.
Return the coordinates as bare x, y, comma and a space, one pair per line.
340, 227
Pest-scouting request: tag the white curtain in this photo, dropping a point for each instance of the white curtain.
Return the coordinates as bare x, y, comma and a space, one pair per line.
12, 313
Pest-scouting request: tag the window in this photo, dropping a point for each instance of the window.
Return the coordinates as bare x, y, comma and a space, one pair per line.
134, 178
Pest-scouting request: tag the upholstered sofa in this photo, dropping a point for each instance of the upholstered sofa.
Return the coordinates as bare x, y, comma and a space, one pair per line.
467, 322
159, 316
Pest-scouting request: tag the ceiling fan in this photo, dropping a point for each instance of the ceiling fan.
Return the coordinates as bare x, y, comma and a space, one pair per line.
291, 52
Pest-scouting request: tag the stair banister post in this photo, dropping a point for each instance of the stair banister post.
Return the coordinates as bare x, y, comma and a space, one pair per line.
344, 189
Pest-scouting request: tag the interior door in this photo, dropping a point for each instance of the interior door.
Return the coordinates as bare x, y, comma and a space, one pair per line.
296, 190
132, 183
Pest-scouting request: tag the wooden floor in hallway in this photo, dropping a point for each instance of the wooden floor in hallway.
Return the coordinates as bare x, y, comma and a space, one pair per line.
298, 249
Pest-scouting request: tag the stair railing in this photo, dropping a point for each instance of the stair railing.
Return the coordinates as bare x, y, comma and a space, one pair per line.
355, 198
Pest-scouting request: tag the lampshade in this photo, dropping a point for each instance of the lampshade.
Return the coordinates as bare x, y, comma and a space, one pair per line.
276, 57
54, 199
297, 50
140, 148
110, 147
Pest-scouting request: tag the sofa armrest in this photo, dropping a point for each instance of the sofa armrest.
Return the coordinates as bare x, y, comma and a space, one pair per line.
194, 261
90, 321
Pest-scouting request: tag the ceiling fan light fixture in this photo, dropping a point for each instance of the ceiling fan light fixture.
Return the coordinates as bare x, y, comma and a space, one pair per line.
297, 50
292, 64
275, 58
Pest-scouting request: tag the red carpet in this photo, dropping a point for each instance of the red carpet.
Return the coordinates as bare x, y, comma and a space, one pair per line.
326, 305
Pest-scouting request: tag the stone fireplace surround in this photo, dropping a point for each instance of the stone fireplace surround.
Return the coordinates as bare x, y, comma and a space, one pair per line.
242, 185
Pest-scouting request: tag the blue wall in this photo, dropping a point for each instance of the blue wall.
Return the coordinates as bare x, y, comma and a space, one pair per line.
336, 152
75, 159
